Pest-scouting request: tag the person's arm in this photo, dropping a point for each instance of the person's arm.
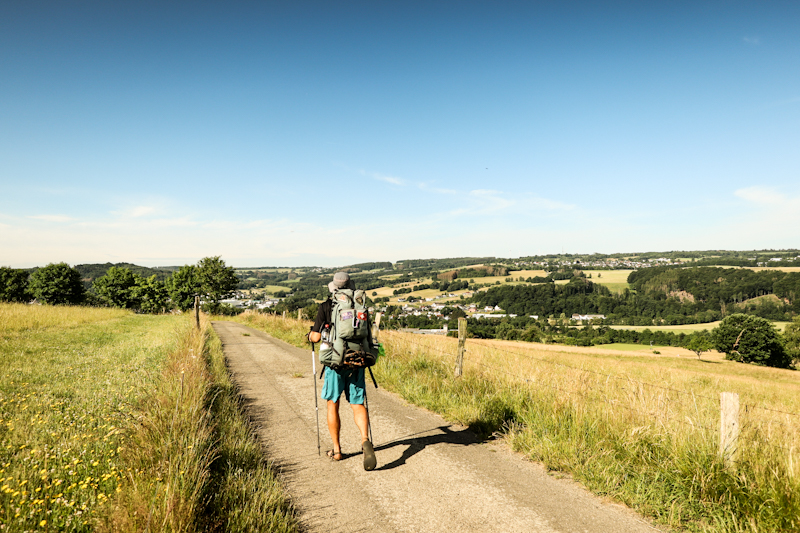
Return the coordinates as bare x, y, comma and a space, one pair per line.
314, 335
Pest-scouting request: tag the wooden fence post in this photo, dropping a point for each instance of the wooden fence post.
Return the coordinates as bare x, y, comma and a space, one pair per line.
197, 311
462, 341
376, 326
728, 426
299, 312
284, 314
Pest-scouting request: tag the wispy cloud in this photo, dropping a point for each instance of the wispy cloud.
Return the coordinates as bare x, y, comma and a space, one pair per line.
772, 217
382, 177
438, 190
489, 202
52, 218
136, 211
765, 197
140, 211
751, 40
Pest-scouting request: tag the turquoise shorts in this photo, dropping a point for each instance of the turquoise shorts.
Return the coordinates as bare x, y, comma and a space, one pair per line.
347, 380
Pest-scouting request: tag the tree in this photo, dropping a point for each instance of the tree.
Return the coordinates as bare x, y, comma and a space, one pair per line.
457, 313
117, 288
791, 337
13, 285
699, 342
151, 294
216, 280
532, 334
182, 287
506, 331
57, 283
750, 339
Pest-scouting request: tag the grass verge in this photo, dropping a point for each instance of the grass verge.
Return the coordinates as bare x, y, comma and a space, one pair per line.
651, 447
244, 493
112, 421
70, 380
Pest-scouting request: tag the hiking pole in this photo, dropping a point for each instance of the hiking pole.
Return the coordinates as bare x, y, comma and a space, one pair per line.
369, 418
316, 400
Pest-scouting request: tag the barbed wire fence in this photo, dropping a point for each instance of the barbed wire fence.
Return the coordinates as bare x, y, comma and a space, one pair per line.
727, 406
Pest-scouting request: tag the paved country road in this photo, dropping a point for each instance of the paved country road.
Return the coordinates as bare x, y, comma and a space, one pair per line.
432, 476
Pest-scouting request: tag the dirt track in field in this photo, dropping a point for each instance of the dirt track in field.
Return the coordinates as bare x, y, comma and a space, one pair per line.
432, 476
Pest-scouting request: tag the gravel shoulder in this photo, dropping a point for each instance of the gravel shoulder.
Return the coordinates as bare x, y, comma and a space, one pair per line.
431, 476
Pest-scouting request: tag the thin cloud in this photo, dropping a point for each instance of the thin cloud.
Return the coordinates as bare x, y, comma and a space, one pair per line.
484, 192
493, 202
425, 187
141, 211
535, 202
52, 218
772, 217
764, 196
752, 40
138, 211
386, 179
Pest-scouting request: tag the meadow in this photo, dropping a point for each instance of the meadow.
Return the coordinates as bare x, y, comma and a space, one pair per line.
615, 280
636, 427
111, 421
689, 328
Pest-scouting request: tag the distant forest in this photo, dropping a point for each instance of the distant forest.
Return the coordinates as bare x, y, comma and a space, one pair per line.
660, 295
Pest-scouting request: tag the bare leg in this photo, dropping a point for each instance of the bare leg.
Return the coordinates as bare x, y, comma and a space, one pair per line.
361, 419
361, 416
334, 425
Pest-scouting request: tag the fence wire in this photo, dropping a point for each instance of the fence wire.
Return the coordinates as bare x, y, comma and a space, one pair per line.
747, 425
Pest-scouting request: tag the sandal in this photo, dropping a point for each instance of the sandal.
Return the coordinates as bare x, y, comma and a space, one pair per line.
334, 456
369, 455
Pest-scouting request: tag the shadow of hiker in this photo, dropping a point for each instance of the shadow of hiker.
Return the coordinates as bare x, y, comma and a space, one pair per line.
464, 437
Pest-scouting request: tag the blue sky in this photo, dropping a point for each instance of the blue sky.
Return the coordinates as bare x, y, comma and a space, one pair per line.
328, 133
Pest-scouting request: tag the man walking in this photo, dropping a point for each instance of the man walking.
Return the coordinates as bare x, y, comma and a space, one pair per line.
347, 380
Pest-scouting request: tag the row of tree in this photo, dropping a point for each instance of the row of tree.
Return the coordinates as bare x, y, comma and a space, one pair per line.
58, 283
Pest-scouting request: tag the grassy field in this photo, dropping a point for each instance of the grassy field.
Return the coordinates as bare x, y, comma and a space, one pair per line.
638, 427
268, 289
759, 269
689, 328
615, 280
107, 424
430, 293
270, 270
633, 426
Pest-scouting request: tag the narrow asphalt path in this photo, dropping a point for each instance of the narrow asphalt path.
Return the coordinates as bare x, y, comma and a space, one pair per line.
432, 476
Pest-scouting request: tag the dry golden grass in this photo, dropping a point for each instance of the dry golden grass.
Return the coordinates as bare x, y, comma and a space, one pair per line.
16, 317
688, 328
675, 387
608, 276
759, 269
639, 428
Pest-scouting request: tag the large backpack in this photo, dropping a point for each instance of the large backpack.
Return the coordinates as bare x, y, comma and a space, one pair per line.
349, 343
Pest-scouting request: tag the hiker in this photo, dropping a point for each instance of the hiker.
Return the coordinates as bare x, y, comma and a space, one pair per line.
349, 380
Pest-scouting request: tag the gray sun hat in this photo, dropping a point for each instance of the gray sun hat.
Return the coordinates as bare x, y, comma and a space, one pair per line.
341, 280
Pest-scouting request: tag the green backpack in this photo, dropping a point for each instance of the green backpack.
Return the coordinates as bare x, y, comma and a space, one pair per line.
349, 342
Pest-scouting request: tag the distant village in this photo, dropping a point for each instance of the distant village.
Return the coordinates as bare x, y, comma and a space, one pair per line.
430, 308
